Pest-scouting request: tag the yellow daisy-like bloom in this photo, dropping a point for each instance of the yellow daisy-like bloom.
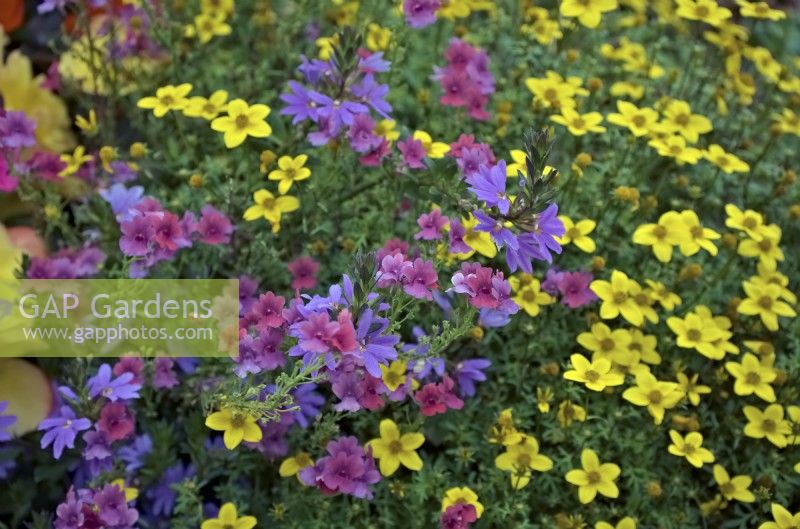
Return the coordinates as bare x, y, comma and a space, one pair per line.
643, 348
767, 250
588, 12
690, 448
624, 523
378, 38
504, 431
595, 375
679, 119
88, 125
627, 89
662, 237
594, 477
326, 46
568, 412
270, 207
765, 63
395, 374
695, 332
74, 161
462, 495
553, 91
434, 149
657, 395
209, 25
638, 120
659, 292
208, 109
788, 122
579, 124
674, 146
605, 343
764, 300
242, 121
528, 294
733, 488
617, 299
759, 10
167, 98
752, 377
707, 11
518, 165
521, 460
729, 163
385, 129
228, 518
291, 466
393, 449
697, 235
783, 518
289, 171
577, 233
237, 426
479, 241
691, 388
225, 7
749, 221
769, 424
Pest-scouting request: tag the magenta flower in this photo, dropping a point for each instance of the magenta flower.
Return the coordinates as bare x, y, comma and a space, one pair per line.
391, 269
316, 332
458, 516
136, 236
16, 130
304, 273
574, 289
116, 421
214, 227
431, 225
348, 469
360, 134
8, 182
130, 364
62, 430
164, 376
168, 232
268, 311
420, 13
419, 279
435, 398
413, 153
112, 507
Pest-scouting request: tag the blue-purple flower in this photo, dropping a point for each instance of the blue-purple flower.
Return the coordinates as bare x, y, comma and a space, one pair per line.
114, 389
489, 185
5, 421
468, 372
62, 430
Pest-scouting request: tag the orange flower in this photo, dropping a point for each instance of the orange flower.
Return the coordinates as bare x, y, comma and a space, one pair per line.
12, 13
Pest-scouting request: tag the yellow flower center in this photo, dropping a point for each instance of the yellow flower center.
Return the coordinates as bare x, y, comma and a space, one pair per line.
765, 302
591, 375
659, 232
682, 119
594, 477
694, 335
620, 297
749, 223
573, 233
727, 488
523, 460
688, 449
237, 421
752, 378
242, 121
395, 447
638, 120
765, 245
607, 344
769, 426
579, 123
166, 100
701, 11
655, 397
697, 232
529, 296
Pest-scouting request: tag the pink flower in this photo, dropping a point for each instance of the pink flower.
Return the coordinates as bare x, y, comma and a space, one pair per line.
431, 225
268, 311
574, 289
413, 153
116, 421
419, 278
304, 273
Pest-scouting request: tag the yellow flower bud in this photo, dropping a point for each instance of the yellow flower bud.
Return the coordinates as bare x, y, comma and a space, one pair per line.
196, 180
138, 150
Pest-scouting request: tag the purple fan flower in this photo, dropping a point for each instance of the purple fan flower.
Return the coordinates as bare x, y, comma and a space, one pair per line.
17, 131
548, 227
375, 347
431, 225
501, 235
51, 5
489, 185
522, 256
162, 495
360, 134
420, 13
315, 69
470, 371
373, 94
299, 104
5, 421
62, 430
340, 112
308, 402
120, 388
134, 454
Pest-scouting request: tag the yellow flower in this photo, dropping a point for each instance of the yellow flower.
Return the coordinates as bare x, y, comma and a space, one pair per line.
291, 466
131, 493
289, 171
749, 221
326, 46
271, 207
674, 146
393, 449
670, 231
616, 298
596, 375
764, 300
657, 395
768, 424
434, 149
625, 523
752, 377
237, 426
728, 162
107, 154
479, 241
788, 122
519, 164
608, 344
385, 128
568, 411
695, 332
594, 477
588, 12
697, 236
659, 292
707, 11
638, 120
87, 125
521, 459
736, 488
167, 98
643, 347
767, 249
74, 161
764, 62
462, 495
395, 374
690, 447
553, 91
579, 124
528, 294
504, 431
208, 109
691, 388
679, 119
783, 518
377, 37
627, 89
577, 233
759, 10
225, 7
209, 25
228, 518
242, 121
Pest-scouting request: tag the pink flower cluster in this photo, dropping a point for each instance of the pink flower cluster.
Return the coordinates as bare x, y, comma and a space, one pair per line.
485, 288
418, 277
438, 397
466, 80
571, 287
348, 468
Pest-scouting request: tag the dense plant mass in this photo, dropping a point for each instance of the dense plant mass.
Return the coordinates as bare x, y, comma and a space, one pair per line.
501, 263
